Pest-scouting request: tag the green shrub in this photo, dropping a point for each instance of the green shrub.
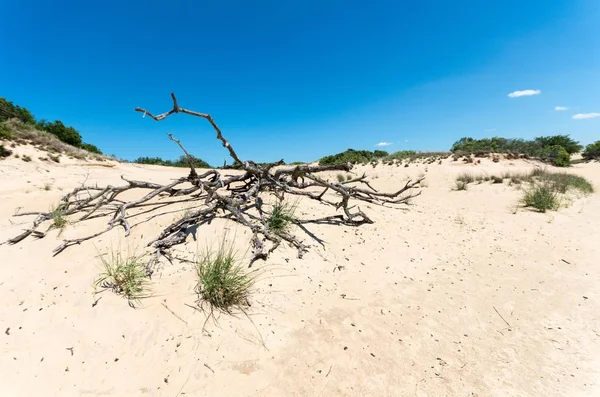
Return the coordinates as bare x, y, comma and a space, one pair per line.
90, 148
26, 158
401, 155
540, 147
559, 156
68, 135
8, 110
564, 141
542, 196
592, 151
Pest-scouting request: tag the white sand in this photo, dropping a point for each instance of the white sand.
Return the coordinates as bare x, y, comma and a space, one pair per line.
403, 307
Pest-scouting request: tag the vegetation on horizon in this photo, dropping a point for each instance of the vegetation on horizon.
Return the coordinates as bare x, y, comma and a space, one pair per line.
68, 135
555, 149
592, 151
182, 162
353, 157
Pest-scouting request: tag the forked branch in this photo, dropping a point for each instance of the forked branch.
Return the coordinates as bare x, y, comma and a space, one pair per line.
236, 197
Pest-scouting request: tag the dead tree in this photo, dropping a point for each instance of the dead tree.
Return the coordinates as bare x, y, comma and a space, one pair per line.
229, 196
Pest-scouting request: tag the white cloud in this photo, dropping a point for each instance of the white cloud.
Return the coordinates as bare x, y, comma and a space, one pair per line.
490, 130
559, 108
382, 144
517, 94
582, 116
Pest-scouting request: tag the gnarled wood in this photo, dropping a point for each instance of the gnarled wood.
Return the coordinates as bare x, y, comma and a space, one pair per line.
232, 196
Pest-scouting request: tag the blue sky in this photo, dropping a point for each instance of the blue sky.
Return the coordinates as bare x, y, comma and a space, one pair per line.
301, 79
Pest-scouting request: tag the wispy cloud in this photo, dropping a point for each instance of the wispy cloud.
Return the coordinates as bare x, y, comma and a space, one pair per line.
517, 94
382, 144
582, 116
559, 108
490, 130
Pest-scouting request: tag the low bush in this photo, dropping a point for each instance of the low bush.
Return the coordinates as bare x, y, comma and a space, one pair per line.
592, 151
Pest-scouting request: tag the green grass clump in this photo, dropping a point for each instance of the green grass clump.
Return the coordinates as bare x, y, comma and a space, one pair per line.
26, 158
281, 217
59, 220
126, 276
54, 158
340, 178
497, 179
222, 282
542, 197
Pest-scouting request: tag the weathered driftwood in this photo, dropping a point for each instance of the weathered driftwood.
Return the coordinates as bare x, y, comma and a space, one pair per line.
232, 195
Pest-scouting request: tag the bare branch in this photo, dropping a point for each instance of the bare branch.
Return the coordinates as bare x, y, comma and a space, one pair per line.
234, 197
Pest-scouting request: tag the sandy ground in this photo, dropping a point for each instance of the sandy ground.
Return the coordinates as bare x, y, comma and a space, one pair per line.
458, 296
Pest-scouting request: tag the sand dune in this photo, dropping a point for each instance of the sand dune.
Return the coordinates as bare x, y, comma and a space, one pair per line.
456, 296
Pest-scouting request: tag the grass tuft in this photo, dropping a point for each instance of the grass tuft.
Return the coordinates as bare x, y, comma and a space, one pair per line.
223, 283
460, 185
58, 217
542, 197
465, 177
281, 217
125, 276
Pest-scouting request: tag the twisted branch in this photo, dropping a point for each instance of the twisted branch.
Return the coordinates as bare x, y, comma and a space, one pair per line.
235, 197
